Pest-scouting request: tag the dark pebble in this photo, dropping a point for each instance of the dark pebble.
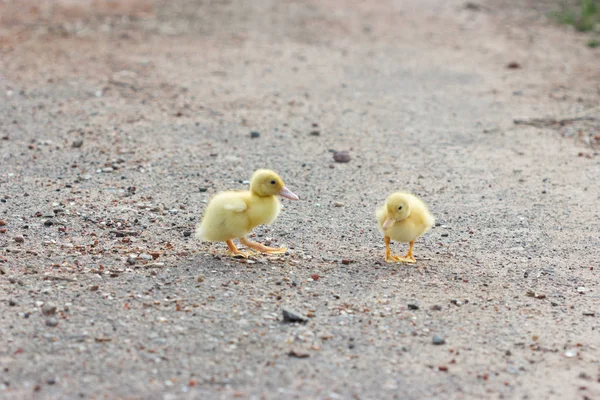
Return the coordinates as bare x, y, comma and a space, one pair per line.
48, 222
51, 322
341, 156
77, 144
203, 189
292, 316
438, 340
187, 233
12, 303
254, 134
412, 306
19, 239
315, 133
444, 235
51, 381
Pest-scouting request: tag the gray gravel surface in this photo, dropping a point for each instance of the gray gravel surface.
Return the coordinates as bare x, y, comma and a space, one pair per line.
119, 122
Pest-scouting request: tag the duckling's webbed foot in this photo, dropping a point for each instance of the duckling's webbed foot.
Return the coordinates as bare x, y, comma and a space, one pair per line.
262, 248
235, 252
408, 258
389, 257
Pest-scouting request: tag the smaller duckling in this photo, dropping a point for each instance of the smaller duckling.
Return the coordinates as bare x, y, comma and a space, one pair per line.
403, 218
232, 215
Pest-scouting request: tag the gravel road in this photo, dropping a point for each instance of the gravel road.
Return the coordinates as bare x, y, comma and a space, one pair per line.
120, 120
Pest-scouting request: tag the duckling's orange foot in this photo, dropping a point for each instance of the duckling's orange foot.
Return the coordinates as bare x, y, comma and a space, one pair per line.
262, 248
234, 252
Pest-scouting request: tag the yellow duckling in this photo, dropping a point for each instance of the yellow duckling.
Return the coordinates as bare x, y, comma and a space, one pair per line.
232, 215
403, 218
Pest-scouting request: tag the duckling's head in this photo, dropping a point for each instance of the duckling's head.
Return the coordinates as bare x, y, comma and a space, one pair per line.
398, 208
265, 183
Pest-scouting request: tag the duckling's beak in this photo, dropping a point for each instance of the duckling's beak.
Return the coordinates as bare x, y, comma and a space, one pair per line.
388, 223
288, 194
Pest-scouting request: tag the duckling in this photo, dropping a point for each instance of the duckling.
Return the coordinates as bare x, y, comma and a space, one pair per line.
403, 217
232, 215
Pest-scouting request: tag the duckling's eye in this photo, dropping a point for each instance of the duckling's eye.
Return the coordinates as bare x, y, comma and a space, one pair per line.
400, 208
272, 182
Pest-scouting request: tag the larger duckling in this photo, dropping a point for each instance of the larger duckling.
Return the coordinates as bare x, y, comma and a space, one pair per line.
232, 215
403, 218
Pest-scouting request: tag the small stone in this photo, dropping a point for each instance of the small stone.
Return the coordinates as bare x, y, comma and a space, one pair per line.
341, 156
49, 309
52, 322
146, 256
49, 214
512, 370
456, 302
48, 222
444, 235
297, 353
436, 308
581, 290
443, 368
413, 306
338, 204
513, 65
315, 133
254, 135
345, 261
2, 222
571, 353
200, 278
77, 144
203, 189
19, 239
12, 302
438, 340
93, 288
589, 313
292, 316
315, 277
554, 304
187, 233
51, 381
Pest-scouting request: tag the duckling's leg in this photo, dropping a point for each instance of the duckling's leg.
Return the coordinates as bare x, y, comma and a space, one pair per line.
235, 252
408, 258
388, 254
262, 248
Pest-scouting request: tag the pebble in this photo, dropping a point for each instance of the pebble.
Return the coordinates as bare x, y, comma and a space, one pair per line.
12, 302
315, 277
203, 189
292, 316
413, 306
77, 144
49, 309
2, 222
438, 340
49, 214
254, 135
571, 353
298, 353
436, 308
187, 233
51, 322
146, 256
589, 313
338, 204
315, 133
19, 239
131, 260
341, 156
48, 222
200, 278
581, 290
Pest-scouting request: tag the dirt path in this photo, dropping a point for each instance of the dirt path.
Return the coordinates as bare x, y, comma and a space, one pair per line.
118, 129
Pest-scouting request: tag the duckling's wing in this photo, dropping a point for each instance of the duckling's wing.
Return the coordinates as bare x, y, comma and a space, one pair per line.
235, 204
